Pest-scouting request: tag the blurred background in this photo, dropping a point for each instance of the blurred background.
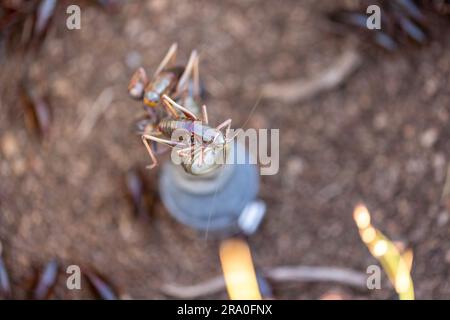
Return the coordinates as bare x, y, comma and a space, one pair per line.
380, 136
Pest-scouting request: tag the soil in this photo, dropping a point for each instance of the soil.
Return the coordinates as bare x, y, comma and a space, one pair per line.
381, 138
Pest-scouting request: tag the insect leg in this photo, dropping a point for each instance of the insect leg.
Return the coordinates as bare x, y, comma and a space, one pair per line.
235, 134
170, 109
184, 79
182, 152
185, 111
166, 142
170, 57
196, 72
227, 124
202, 149
150, 152
204, 114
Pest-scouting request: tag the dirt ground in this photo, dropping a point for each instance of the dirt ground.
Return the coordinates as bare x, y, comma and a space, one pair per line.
381, 137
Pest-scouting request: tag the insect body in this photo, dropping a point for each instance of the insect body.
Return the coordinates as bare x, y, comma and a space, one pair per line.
168, 79
164, 83
201, 149
195, 128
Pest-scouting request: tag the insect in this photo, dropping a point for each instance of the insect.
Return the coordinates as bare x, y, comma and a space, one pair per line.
168, 79
204, 149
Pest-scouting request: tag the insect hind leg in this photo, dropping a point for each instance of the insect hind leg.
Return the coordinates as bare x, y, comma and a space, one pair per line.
169, 58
